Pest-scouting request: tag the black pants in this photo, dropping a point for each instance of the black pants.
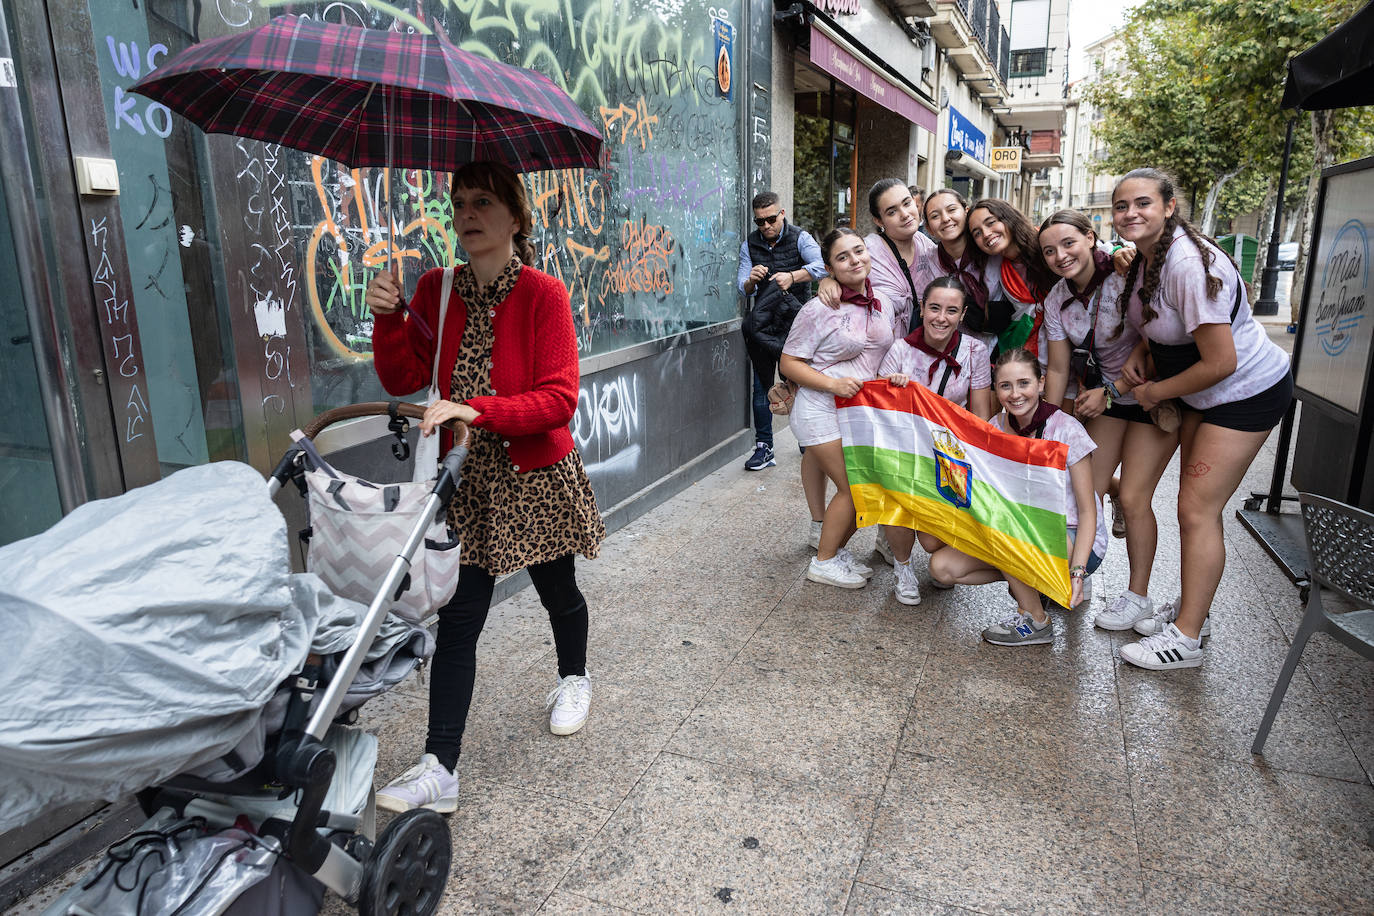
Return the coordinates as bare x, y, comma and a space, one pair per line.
454, 666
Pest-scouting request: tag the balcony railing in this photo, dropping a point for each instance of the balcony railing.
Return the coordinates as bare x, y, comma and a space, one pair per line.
1099, 199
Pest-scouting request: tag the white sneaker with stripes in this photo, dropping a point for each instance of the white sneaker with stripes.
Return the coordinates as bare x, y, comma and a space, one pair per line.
1166, 650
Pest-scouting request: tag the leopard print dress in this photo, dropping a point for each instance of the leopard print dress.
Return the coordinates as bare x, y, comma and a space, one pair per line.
508, 521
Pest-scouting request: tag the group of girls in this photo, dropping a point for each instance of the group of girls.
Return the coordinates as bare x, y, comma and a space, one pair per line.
1044, 334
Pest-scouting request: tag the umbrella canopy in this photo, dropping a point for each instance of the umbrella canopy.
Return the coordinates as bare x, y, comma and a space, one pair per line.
366, 97
1336, 72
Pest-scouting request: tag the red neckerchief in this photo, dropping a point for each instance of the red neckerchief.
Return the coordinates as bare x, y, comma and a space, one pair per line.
1015, 285
1036, 426
864, 298
965, 274
917, 339
1102, 269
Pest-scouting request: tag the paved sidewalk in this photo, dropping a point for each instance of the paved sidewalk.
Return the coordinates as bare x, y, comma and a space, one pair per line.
760, 743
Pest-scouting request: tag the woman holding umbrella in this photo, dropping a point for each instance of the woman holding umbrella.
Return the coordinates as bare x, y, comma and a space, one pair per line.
508, 368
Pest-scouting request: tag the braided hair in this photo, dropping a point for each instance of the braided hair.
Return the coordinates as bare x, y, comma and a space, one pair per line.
1164, 186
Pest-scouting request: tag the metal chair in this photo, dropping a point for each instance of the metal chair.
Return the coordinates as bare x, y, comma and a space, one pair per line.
1340, 557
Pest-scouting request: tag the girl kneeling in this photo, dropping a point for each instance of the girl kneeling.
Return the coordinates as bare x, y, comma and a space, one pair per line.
955, 366
1020, 386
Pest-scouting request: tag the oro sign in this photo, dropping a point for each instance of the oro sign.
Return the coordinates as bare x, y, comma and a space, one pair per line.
1006, 158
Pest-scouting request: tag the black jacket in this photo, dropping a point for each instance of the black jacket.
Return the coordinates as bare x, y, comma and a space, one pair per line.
770, 319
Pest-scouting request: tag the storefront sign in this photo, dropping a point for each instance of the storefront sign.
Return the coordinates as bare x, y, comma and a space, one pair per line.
965, 137
1006, 158
848, 69
1337, 338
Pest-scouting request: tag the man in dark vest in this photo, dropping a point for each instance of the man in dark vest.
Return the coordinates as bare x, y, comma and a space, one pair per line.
777, 263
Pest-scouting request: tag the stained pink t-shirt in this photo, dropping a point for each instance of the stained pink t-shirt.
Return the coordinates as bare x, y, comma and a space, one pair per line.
974, 369
1061, 427
847, 341
1181, 305
1114, 340
888, 281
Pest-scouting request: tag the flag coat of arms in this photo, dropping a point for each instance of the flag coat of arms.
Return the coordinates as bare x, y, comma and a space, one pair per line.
917, 460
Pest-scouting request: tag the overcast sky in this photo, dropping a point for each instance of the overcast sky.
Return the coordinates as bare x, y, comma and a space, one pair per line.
1090, 20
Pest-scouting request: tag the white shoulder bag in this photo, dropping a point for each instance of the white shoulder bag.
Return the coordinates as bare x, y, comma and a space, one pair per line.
427, 447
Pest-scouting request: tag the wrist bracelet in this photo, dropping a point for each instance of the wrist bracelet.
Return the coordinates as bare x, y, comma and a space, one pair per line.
1112, 393
1078, 572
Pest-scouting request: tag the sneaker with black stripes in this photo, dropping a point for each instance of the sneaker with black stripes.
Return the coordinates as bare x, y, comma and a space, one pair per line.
1166, 650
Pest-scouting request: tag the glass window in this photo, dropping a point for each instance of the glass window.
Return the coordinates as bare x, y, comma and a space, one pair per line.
250, 262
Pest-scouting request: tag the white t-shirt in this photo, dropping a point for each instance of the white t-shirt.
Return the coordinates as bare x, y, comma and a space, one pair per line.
847, 341
1114, 339
1061, 427
972, 357
1181, 305
890, 286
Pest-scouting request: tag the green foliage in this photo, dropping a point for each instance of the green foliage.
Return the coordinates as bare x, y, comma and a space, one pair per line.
1200, 95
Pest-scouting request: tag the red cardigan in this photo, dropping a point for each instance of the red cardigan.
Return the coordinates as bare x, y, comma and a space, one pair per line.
534, 372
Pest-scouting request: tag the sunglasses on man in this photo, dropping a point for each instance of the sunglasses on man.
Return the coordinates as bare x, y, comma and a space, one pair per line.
762, 221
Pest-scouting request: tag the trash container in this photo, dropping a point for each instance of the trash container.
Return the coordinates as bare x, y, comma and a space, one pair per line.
1248, 251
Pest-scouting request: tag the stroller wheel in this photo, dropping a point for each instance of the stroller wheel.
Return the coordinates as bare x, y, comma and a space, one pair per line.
409, 867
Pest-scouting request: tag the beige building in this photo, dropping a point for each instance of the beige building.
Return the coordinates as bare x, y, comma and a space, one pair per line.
1090, 190
1035, 107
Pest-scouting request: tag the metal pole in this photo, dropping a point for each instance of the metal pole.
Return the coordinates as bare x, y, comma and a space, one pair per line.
54, 382
1267, 304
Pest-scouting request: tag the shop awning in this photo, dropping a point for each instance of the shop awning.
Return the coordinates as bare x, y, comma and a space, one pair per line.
963, 162
1336, 72
846, 65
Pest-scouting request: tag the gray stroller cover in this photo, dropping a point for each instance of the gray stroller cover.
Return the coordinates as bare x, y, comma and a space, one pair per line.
147, 634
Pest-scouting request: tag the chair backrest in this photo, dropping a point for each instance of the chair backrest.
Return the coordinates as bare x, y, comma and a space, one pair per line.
1340, 546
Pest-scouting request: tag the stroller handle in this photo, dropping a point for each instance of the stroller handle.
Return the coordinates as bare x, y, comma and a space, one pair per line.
373, 409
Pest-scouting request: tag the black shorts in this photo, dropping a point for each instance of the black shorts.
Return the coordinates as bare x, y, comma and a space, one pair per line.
1132, 412
1255, 414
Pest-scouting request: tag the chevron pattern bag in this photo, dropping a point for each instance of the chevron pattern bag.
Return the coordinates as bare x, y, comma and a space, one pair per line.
358, 530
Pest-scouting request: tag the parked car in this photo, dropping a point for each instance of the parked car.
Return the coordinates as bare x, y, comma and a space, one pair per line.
1288, 256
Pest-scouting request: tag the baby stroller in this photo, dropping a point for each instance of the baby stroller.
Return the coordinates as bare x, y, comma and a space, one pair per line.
281, 806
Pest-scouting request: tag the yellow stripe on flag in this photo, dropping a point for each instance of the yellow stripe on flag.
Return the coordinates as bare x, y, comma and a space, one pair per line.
1047, 574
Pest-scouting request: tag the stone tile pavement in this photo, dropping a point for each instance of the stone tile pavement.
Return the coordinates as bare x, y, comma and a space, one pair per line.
759, 743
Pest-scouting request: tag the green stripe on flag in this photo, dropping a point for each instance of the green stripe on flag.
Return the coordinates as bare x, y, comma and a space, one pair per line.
905, 472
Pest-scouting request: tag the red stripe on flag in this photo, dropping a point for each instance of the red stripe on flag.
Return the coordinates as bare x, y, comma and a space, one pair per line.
966, 427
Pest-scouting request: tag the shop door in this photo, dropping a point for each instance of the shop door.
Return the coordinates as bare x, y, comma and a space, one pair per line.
28, 484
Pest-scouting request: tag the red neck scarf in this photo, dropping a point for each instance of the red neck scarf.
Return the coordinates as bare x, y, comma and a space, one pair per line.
1036, 426
1016, 286
865, 298
965, 272
1101, 271
917, 339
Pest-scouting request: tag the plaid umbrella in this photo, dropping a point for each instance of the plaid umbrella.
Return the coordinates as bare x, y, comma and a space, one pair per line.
366, 97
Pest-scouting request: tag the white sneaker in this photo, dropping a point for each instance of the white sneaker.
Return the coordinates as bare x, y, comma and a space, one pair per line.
1166, 614
853, 564
428, 784
883, 548
1126, 611
815, 539
908, 590
834, 571
569, 703
1165, 651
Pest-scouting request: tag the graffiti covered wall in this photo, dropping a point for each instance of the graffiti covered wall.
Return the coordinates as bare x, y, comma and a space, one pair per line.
646, 245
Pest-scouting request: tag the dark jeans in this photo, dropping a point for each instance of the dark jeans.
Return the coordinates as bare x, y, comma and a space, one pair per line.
763, 368
454, 666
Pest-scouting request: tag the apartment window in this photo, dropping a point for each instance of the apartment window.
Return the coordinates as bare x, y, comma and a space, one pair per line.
1029, 62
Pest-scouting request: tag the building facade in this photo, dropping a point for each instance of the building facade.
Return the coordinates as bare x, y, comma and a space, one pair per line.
1090, 189
1036, 118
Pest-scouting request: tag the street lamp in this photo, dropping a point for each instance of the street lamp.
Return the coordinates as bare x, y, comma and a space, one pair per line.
1267, 303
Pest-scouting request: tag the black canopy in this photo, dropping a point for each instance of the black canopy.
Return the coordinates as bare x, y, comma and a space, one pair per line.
1336, 72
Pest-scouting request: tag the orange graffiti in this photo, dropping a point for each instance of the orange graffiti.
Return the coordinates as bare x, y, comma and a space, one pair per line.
642, 266
635, 121
568, 198
342, 220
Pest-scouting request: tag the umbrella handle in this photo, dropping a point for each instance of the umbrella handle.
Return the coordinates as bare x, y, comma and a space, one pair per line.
390, 246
